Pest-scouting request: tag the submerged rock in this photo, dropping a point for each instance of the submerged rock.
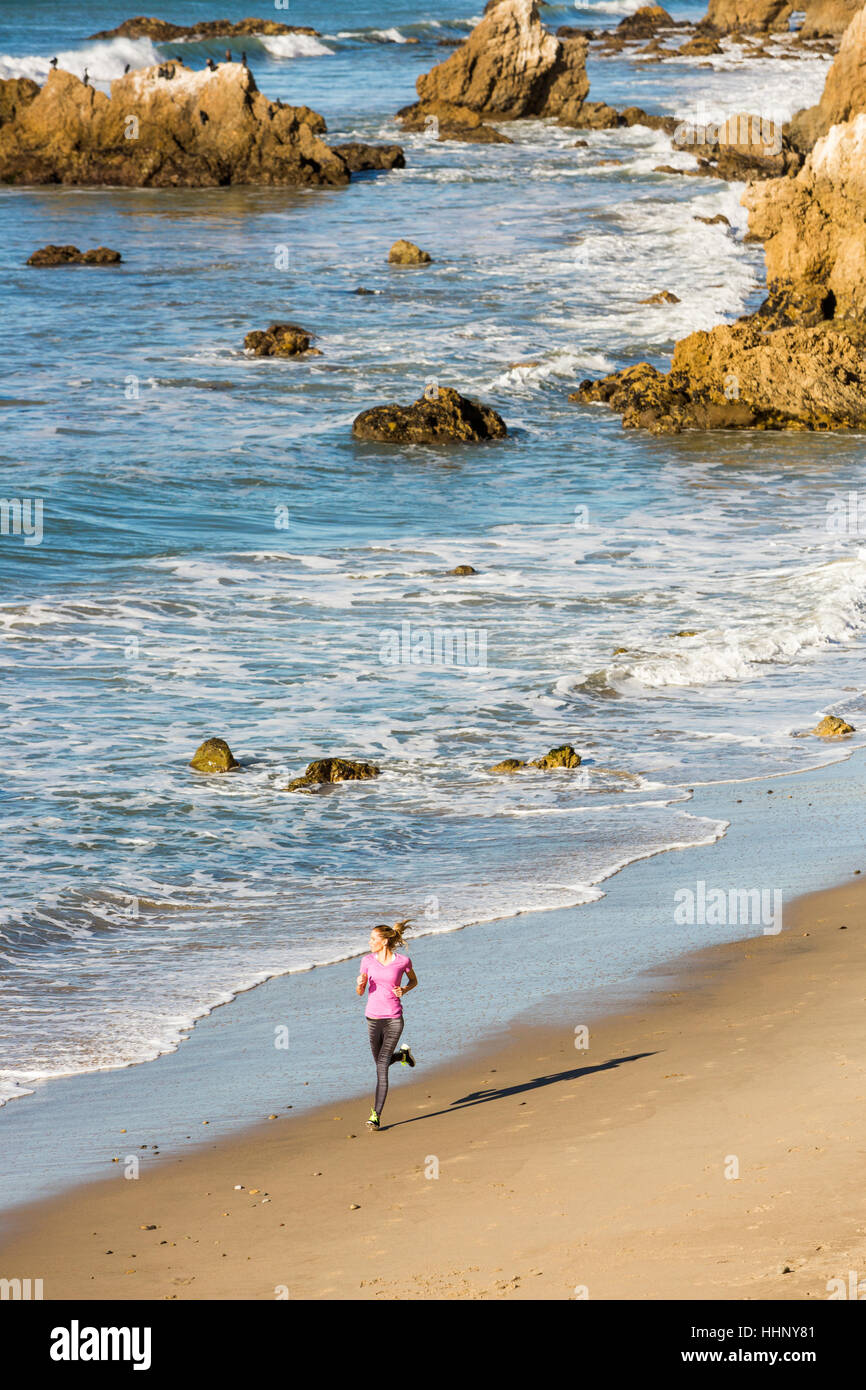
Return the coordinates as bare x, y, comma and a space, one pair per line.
444, 417
509, 67
407, 253
463, 570
280, 340
359, 157
214, 755
565, 756
832, 727
70, 255
326, 770
662, 297
165, 126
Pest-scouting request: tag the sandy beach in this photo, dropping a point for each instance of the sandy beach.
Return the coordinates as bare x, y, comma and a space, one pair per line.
708, 1145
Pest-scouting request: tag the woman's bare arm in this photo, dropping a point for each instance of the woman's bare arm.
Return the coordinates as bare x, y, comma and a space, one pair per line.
400, 990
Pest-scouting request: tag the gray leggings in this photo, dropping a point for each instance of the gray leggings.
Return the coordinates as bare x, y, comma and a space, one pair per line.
384, 1036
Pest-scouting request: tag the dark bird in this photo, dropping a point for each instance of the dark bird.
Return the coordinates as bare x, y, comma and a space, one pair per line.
126, 70
86, 79
54, 62
244, 59
210, 65
228, 55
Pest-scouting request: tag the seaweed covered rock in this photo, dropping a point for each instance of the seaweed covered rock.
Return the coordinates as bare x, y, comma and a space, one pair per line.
359, 157
443, 416
214, 755
323, 771
510, 67
280, 340
165, 126
564, 757
70, 255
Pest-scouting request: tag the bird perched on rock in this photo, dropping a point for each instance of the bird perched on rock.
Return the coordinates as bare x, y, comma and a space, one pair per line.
53, 63
86, 78
244, 59
228, 55
210, 65
126, 70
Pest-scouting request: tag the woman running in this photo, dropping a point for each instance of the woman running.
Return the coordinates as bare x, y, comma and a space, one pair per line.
383, 969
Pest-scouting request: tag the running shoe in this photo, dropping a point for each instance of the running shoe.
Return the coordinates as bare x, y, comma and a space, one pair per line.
405, 1055
373, 1122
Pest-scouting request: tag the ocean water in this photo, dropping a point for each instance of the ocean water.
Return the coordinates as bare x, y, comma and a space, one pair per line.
218, 557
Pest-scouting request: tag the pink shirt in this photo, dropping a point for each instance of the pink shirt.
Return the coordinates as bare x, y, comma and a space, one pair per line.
382, 1002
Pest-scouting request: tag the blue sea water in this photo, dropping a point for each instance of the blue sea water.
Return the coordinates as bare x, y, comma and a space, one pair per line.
220, 557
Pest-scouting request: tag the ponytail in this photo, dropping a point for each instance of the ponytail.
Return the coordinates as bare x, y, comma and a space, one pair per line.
394, 935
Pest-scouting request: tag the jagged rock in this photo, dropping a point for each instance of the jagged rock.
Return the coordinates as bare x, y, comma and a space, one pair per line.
743, 376
687, 632
327, 770
644, 22
280, 340
719, 218
165, 126
662, 297
509, 765
813, 231
744, 146
214, 755
160, 30
844, 94
828, 18
597, 115
70, 255
564, 756
635, 115
509, 67
463, 569
446, 417
748, 16
359, 157
15, 94
407, 253
832, 727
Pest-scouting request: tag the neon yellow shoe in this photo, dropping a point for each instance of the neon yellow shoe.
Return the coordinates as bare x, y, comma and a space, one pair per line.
373, 1122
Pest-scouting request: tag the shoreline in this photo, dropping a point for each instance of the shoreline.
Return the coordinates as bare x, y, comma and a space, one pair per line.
712, 1068
228, 1075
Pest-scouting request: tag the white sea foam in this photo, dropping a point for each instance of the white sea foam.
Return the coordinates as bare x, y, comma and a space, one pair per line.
103, 60
294, 46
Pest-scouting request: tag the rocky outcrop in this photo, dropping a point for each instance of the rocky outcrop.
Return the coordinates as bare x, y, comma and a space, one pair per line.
844, 94
324, 771
744, 146
161, 31
407, 253
70, 255
441, 417
564, 756
832, 727
451, 123
214, 755
509, 67
748, 16
281, 340
812, 227
744, 376
162, 127
828, 18
644, 22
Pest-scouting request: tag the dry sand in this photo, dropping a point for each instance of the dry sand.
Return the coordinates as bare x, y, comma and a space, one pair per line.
606, 1172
